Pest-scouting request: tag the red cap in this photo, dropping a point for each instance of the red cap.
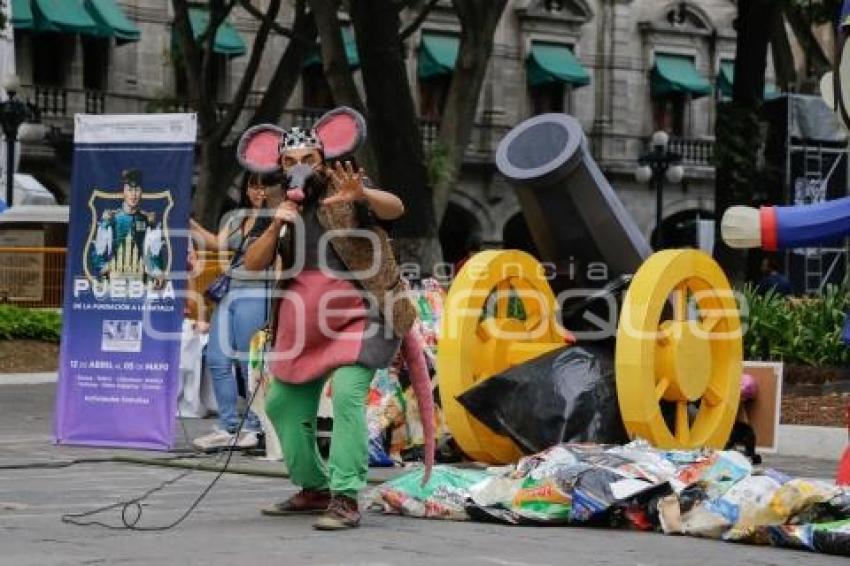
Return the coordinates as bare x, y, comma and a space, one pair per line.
769, 236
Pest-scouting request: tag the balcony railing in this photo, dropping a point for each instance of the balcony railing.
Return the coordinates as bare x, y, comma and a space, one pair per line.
59, 104
95, 101
694, 152
430, 132
483, 139
618, 152
52, 102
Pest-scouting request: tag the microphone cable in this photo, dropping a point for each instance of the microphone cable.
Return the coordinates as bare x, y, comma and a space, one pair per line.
132, 510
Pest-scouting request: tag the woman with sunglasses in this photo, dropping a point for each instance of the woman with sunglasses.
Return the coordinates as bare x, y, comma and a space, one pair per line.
239, 314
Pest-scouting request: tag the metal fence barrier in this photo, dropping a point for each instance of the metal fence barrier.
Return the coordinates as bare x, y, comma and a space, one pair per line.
32, 277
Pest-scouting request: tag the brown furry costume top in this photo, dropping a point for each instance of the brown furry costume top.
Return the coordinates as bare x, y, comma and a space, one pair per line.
358, 254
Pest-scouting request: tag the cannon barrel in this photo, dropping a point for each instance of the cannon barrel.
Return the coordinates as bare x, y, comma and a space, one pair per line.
572, 212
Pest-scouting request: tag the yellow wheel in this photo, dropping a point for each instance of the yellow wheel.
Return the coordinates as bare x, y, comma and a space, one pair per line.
679, 347
482, 334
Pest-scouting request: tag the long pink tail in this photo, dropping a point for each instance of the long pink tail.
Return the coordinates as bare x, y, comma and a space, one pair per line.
413, 350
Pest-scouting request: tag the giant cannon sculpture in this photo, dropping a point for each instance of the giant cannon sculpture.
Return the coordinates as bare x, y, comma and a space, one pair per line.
678, 340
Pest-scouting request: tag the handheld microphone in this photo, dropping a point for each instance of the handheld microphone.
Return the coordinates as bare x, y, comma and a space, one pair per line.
297, 178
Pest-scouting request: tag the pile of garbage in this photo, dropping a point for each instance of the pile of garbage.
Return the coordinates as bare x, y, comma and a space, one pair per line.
704, 493
392, 414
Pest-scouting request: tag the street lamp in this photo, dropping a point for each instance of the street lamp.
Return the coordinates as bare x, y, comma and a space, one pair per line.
13, 113
653, 167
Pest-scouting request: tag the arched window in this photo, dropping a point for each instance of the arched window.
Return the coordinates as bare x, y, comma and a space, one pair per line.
554, 5
567, 10
686, 15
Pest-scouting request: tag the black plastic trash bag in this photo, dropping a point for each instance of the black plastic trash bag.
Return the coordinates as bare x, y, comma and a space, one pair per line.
832, 538
568, 395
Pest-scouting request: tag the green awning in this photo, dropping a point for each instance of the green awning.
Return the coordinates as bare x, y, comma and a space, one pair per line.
315, 58
112, 20
69, 16
550, 63
437, 55
726, 78
676, 74
227, 40
22, 14
100, 18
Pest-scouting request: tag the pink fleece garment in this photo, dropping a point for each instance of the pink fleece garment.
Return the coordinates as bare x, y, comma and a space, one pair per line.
302, 349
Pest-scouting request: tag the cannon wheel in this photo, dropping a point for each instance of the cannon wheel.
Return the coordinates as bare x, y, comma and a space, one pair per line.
679, 344
476, 344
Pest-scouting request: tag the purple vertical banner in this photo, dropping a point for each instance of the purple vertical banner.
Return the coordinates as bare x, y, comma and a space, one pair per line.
125, 280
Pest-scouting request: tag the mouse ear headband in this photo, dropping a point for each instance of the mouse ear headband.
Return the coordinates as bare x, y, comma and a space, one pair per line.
338, 132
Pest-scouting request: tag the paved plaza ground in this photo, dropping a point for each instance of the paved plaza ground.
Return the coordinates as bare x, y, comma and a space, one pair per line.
37, 487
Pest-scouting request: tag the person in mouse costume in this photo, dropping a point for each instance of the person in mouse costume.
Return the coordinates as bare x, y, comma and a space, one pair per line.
343, 314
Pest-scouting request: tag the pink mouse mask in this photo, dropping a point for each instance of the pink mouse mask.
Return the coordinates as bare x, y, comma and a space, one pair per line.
338, 132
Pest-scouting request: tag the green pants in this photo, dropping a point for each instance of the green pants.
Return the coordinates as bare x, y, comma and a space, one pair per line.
292, 410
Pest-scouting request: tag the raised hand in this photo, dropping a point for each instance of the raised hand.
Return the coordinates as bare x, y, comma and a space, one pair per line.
347, 183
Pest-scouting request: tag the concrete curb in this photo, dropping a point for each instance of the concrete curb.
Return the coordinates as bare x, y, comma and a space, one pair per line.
28, 378
827, 443
822, 442
242, 469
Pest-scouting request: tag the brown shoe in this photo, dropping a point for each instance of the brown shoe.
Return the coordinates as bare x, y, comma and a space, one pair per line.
342, 513
305, 502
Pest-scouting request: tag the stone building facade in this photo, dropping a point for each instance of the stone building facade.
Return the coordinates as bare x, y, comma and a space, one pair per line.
617, 90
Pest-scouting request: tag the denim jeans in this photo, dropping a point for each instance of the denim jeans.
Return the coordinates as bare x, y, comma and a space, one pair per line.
241, 313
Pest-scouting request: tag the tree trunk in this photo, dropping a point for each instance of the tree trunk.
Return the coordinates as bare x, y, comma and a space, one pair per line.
478, 19
336, 68
817, 62
737, 128
288, 71
334, 57
394, 129
205, 203
216, 164
216, 157
211, 164
237, 103
783, 58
